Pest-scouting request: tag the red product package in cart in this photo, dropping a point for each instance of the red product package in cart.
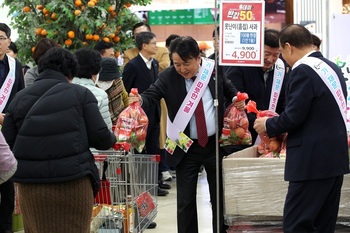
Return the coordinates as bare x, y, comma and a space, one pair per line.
235, 128
145, 203
268, 147
132, 125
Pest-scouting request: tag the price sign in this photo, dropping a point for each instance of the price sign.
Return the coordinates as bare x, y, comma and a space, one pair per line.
241, 33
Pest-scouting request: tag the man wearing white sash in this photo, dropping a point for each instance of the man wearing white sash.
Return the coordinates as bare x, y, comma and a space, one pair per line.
11, 81
264, 85
315, 119
189, 151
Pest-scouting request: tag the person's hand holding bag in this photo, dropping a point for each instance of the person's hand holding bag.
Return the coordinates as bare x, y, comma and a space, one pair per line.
239, 100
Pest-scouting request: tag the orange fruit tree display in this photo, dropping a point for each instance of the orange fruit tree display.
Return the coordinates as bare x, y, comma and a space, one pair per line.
72, 23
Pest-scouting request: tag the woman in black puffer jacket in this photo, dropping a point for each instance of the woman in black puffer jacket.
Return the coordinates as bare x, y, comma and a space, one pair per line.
50, 127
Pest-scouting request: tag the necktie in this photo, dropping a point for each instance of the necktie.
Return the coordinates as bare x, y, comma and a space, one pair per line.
2, 72
201, 125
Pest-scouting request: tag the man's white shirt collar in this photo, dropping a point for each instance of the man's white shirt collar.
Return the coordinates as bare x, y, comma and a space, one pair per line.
148, 62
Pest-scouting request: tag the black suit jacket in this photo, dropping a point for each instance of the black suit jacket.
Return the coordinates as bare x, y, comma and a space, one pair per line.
137, 75
171, 86
317, 139
251, 81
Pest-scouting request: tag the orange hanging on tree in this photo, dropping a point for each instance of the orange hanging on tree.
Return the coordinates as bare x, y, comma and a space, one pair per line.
26, 9
71, 34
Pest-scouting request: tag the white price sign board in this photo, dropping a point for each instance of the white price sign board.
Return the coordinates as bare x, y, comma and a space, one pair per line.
241, 33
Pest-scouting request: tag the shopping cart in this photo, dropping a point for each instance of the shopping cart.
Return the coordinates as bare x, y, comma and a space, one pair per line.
126, 201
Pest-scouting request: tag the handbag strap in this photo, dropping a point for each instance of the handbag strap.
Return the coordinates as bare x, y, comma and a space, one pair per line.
41, 97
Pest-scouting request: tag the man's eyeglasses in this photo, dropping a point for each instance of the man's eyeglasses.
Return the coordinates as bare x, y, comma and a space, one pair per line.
3, 38
154, 43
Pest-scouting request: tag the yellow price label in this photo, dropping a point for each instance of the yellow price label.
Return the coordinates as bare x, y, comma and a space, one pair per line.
246, 15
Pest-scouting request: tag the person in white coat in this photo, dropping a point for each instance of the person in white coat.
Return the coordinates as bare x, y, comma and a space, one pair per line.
89, 62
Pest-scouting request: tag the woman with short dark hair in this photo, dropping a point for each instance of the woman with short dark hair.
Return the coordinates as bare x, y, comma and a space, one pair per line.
88, 75
50, 127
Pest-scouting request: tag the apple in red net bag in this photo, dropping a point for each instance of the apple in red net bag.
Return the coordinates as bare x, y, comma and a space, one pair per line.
268, 147
235, 129
132, 125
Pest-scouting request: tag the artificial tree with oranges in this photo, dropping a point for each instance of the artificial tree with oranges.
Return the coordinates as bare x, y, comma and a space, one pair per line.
72, 23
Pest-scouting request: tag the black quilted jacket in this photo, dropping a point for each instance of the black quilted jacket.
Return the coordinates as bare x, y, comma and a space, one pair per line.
52, 142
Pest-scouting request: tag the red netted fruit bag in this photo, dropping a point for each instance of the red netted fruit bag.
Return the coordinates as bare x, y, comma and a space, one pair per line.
132, 125
268, 147
235, 129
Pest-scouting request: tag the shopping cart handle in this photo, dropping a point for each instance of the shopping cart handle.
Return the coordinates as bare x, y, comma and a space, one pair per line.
100, 157
155, 158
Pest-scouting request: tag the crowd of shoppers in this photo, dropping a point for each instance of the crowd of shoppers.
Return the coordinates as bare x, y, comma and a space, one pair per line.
45, 109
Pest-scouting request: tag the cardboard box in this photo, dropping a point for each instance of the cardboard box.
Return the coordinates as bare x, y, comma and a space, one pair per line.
254, 188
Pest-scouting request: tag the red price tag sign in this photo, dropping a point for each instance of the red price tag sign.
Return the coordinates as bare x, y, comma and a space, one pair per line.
241, 33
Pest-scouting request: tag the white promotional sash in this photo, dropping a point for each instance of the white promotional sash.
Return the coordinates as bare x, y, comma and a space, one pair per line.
331, 79
278, 77
191, 101
7, 86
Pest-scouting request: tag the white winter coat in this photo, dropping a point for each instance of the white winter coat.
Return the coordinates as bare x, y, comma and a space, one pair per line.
101, 96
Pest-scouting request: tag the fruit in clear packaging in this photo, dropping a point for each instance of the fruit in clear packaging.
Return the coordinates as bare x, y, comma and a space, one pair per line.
233, 124
274, 145
141, 135
239, 132
143, 120
244, 123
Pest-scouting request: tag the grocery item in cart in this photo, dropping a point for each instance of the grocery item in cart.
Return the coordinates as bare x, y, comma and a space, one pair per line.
145, 203
129, 187
132, 125
268, 147
235, 128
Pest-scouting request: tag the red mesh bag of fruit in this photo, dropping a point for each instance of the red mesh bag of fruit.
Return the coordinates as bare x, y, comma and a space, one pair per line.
132, 125
268, 147
235, 129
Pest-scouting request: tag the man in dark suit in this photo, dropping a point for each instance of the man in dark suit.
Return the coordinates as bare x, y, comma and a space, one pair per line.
317, 149
262, 83
177, 87
140, 72
11, 76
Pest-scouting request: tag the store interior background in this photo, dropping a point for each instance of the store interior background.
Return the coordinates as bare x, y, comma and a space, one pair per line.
278, 14
275, 18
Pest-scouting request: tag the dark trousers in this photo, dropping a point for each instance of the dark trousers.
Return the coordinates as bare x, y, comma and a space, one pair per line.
152, 144
7, 204
163, 166
312, 206
186, 184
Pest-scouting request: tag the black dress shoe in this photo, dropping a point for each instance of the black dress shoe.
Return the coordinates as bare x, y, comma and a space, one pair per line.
162, 192
164, 185
152, 225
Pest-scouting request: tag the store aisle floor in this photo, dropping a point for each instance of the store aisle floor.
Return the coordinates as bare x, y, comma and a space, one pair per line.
166, 217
